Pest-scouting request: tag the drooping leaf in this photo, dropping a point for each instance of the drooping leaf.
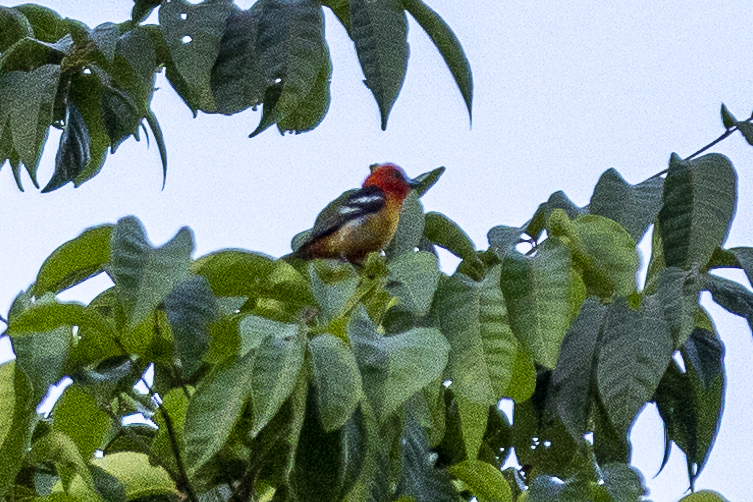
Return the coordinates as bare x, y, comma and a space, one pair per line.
448, 45
699, 202
677, 292
121, 116
193, 34
635, 207
633, 356
542, 295
142, 9
379, 30
571, 379
732, 296
485, 481
445, 233
310, 111
73, 151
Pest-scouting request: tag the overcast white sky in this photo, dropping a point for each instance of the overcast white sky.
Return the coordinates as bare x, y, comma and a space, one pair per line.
563, 91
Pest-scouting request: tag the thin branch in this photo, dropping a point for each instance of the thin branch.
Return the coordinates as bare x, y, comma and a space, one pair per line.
717, 140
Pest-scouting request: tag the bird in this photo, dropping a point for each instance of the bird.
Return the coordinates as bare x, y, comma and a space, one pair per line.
360, 221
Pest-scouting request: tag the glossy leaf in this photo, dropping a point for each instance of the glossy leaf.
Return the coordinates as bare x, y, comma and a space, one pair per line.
699, 202
634, 353
395, 367
448, 45
75, 261
379, 30
634, 207
542, 295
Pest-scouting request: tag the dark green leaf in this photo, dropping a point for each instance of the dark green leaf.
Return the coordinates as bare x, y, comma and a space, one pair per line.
311, 110
107, 485
17, 415
445, 233
73, 151
635, 207
423, 182
190, 307
572, 377
674, 401
502, 239
29, 54
151, 119
448, 44
746, 129
86, 93
485, 481
421, 480
76, 407
105, 36
633, 356
734, 297
47, 23
744, 256
75, 261
120, 115
15, 27
699, 202
623, 483
341, 9
677, 292
379, 30
193, 34
545, 489
410, 228
142, 9
236, 78
728, 120
269, 112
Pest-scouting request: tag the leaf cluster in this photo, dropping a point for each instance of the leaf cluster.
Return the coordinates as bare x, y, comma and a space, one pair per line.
96, 84
320, 381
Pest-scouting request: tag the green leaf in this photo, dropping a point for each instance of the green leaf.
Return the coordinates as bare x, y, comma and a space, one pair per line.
219, 400
332, 295
623, 482
236, 78
379, 30
634, 207
572, 376
15, 27
175, 404
75, 261
142, 9
699, 202
29, 54
120, 115
29, 100
413, 279
542, 295
17, 415
448, 45
746, 129
395, 367
632, 357
484, 480
192, 34
311, 110
73, 151
341, 9
473, 422
105, 37
292, 53
47, 23
336, 379
74, 408
410, 228
254, 329
457, 309
423, 182
421, 480
675, 405
190, 307
605, 255
50, 316
502, 239
278, 361
728, 120
445, 233
144, 275
744, 256
732, 296
59, 449
677, 291
107, 485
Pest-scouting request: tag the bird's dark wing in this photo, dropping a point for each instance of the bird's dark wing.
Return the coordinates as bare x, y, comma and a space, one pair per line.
351, 205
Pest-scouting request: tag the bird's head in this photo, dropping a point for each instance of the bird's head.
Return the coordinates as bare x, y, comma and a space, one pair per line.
391, 179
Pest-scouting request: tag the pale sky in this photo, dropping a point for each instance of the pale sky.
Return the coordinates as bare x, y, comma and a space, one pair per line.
563, 91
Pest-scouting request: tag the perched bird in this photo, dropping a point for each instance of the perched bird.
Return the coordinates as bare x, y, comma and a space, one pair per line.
360, 221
